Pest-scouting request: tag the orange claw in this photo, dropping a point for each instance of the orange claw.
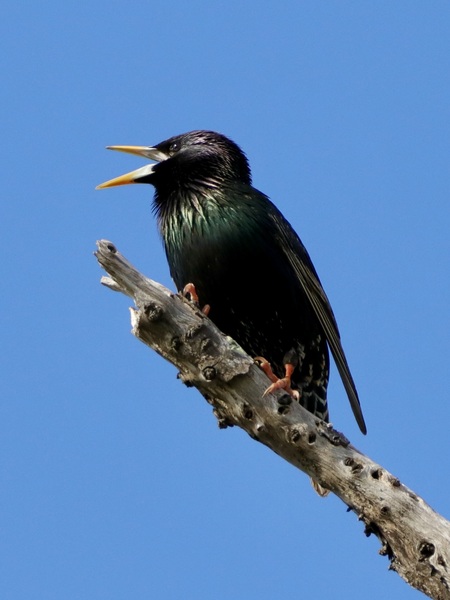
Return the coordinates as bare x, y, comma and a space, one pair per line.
265, 366
278, 384
189, 289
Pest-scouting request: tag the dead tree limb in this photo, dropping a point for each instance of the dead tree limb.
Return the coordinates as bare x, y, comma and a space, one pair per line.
413, 536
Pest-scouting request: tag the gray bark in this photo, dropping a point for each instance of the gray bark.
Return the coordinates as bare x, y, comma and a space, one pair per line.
413, 536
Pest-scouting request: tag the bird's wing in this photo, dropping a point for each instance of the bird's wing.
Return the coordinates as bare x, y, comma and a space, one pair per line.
304, 269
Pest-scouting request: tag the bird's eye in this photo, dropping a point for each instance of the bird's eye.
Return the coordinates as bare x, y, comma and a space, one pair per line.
174, 147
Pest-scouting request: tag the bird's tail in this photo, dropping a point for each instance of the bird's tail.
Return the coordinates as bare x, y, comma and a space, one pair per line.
314, 399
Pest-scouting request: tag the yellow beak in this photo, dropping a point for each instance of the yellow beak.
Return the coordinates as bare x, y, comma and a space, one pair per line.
134, 176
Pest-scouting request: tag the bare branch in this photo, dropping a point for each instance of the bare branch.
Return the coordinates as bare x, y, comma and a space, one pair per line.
414, 537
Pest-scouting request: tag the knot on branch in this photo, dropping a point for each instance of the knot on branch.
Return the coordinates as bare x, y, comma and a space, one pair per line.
153, 311
426, 549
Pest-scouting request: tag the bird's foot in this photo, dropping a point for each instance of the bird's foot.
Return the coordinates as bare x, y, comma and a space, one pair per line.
189, 290
283, 384
265, 366
277, 383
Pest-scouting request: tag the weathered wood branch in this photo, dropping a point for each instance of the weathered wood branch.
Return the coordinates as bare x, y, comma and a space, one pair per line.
413, 536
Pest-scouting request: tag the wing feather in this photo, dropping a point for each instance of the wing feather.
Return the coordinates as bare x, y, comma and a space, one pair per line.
304, 269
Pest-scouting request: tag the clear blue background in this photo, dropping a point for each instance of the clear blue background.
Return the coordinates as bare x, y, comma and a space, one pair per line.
115, 480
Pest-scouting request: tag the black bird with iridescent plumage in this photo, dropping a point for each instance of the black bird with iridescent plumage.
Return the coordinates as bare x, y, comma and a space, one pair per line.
237, 254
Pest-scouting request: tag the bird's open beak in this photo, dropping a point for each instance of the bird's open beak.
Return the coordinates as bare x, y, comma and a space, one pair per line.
138, 174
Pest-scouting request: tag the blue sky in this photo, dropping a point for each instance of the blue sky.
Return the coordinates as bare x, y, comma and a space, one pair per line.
115, 480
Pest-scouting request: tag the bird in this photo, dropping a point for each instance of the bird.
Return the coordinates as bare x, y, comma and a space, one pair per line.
232, 250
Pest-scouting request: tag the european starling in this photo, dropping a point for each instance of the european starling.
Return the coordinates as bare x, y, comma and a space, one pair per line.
236, 252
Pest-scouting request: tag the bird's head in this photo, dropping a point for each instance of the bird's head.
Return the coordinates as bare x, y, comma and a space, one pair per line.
191, 160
